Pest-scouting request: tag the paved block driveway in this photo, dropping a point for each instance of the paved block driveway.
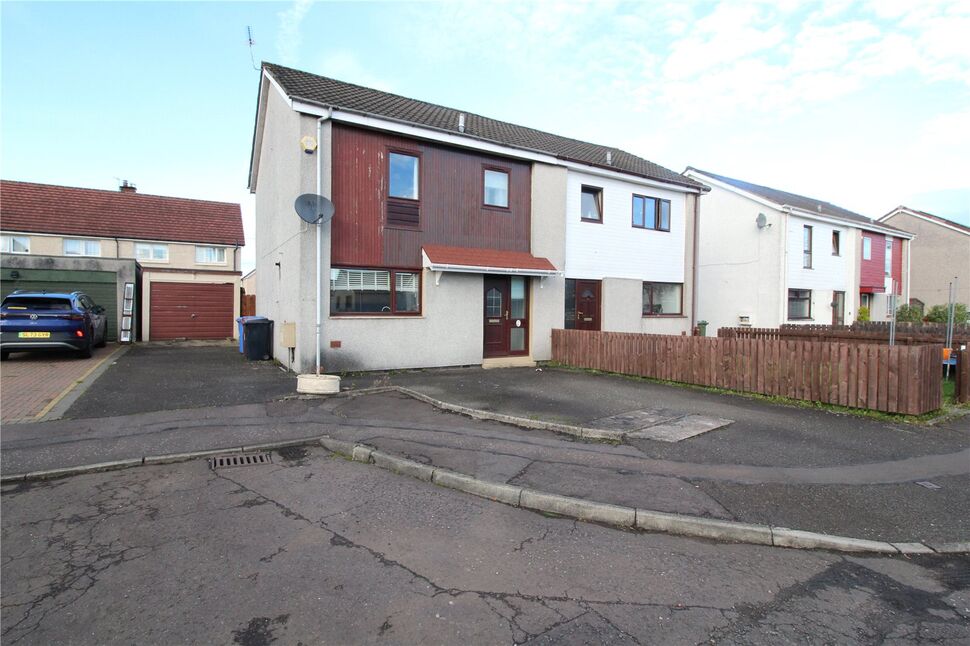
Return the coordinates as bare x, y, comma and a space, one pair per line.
29, 381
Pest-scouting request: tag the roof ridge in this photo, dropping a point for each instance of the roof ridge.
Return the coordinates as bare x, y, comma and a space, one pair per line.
116, 192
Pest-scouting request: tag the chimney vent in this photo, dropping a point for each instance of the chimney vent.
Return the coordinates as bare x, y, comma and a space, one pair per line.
461, 122
127, 187
609, 157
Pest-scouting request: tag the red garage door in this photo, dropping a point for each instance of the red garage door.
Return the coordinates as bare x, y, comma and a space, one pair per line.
191, 311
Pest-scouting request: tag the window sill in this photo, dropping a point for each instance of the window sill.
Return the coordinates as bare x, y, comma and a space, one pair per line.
499, 209
600, 221
801, 320
401, 227
664, 316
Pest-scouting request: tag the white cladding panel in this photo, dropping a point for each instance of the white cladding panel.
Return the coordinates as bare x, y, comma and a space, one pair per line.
828, 271
615, 249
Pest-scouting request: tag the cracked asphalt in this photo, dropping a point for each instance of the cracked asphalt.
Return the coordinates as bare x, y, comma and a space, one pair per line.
316, 549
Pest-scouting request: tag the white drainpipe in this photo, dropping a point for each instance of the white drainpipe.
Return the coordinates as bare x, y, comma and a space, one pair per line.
319, 226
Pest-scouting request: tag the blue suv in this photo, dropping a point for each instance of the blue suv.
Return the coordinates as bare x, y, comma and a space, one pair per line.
51, 321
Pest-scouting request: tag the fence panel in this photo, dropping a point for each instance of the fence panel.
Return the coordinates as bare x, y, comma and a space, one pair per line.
899, 379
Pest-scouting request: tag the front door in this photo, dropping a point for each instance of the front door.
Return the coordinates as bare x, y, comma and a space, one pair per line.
587, 305
506, 313
838, 308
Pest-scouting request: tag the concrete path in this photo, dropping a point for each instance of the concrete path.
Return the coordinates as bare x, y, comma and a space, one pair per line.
866, 500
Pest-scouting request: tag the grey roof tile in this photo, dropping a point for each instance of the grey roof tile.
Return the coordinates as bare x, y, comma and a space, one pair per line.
355, 98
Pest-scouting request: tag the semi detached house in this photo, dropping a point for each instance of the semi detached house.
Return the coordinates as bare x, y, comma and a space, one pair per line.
457, 239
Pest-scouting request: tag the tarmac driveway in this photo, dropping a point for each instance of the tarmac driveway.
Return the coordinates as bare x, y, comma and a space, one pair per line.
153, 377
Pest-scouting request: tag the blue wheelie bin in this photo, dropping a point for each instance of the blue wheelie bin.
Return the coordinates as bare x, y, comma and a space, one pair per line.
241, 324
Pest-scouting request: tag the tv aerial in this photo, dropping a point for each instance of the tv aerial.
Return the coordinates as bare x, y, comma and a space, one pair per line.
313, 208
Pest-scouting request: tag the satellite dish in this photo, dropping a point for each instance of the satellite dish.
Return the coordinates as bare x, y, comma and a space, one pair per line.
313, 208
762, 221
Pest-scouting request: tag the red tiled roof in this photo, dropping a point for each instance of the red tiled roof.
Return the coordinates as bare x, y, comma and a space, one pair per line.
63, 210
441, 255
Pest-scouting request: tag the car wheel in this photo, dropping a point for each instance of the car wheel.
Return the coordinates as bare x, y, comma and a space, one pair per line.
85, 352
4, 355
103, 341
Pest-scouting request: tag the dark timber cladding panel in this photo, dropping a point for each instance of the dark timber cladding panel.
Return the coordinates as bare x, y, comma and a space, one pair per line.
451, 210
191, 311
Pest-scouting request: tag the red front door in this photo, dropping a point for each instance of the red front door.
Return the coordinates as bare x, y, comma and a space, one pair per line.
506, 313
587, 305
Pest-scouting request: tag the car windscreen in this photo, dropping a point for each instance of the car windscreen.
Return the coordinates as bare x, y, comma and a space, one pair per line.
37, 303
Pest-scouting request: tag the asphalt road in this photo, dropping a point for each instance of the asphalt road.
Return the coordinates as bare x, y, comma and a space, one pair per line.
315, 549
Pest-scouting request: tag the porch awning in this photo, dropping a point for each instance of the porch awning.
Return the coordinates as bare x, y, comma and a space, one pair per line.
868, 289
485, 261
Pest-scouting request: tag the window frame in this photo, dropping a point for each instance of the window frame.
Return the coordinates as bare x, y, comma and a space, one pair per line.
405, 153
486, 168
658, 203
598, 195
151, 246
679, 314
84, 242
6, 245
807, 244
836, 242
887, 260
392, 271
807, 298
867, 247
225, 256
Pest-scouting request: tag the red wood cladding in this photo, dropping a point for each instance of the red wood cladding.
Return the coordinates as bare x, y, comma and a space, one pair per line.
897, 261
451, 210
873, 274
191, 311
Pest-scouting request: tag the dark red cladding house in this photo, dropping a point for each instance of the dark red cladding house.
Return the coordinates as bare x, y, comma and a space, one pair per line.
873, 269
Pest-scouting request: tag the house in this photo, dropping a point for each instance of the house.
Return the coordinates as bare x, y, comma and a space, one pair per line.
941, 252
188, 251
457, 239
769, 257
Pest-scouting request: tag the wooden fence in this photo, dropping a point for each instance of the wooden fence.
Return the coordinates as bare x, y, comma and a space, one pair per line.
962, 377
905, 335
899, 379
247, 305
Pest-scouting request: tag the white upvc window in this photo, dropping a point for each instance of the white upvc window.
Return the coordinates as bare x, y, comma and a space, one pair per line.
210, 255
889, 256
151, 252
866, 248
80, 247
15, 244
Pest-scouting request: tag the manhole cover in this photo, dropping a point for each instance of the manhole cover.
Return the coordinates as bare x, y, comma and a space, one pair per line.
239, 460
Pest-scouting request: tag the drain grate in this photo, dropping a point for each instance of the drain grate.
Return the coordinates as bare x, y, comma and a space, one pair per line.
239, 460
928, 484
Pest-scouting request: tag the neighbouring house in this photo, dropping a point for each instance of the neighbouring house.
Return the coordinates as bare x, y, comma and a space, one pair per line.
249, 282
188, 251
457, 239
941, 252
769, 257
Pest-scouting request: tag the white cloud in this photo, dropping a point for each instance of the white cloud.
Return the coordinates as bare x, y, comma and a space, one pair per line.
288, 37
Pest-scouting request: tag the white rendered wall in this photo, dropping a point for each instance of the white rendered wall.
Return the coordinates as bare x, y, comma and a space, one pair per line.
829, 273
740, 267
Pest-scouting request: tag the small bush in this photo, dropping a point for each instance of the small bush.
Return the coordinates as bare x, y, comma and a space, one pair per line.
908, 314
863, 315
938, 314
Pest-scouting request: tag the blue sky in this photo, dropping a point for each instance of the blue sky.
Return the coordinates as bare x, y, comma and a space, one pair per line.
866, 105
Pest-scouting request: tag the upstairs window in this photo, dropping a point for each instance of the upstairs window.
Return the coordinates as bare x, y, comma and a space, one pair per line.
15, 244
76, 247
836, 244
496, 188
889, 256
866, 248
591, 206
403, 181
210, 255
807, 247
151, 252
651, 213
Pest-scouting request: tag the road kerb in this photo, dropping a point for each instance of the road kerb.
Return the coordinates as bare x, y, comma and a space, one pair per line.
785, 537
338, 446
361, 453
87, 468
578, 508
402, 466
504, 493
962, 547
185, 457
913, 548
723, 530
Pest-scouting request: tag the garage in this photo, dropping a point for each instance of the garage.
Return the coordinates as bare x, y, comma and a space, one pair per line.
191, 310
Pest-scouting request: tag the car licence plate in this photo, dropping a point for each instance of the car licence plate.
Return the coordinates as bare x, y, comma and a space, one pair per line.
34, 335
